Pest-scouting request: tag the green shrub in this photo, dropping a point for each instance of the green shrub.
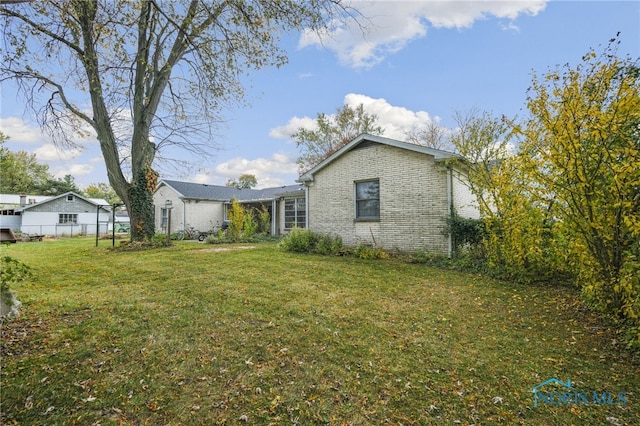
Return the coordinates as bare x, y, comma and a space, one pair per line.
326, 244
264, 220
465, 232
236, 215
249, 225
159, 240
12, 272
424, 256
299, 241
368, 252
305, 241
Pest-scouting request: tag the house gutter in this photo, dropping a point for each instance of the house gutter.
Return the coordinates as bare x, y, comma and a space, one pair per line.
184, 215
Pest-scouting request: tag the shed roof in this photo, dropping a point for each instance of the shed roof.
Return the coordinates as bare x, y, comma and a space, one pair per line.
98, 202
14, 199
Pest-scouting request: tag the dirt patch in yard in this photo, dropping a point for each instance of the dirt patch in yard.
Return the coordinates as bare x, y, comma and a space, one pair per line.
219, 249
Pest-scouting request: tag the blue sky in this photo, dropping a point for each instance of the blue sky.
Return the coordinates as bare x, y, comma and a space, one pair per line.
420, 61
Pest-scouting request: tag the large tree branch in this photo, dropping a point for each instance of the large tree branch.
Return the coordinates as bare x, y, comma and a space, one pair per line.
59, 89
87, 10
40, 28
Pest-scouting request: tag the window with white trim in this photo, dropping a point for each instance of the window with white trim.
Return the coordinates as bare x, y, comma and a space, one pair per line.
164, 217
368, 200
68, 218
295, 213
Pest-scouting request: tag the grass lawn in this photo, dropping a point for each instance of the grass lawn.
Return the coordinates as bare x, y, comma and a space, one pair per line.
192, 335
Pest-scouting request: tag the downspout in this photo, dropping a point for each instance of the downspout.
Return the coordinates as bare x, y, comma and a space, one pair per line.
184, 215
274, 217
449, 209
306, 206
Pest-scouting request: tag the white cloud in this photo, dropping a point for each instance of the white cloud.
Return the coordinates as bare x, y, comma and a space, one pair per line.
392, 25
273, 171
74, 170
49, 152
396, 121
20, 131
203, 177
292, 126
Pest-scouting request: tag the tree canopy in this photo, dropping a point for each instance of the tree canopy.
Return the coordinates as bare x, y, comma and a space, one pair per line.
245, 181
55, 186
20, 172
144, 75
104, 191
332, 132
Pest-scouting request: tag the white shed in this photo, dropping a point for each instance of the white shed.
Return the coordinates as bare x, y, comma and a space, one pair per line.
65, 215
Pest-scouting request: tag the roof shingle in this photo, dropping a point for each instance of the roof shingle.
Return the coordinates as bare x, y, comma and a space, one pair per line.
203, 191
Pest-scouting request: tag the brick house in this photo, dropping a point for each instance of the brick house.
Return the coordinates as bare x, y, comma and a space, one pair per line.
387, 193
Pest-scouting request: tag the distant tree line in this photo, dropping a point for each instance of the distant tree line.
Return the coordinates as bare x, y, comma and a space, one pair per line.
21, 173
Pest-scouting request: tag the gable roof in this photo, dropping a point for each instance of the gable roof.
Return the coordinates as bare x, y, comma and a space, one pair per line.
203, 191
98, 202
15, 199
437, 154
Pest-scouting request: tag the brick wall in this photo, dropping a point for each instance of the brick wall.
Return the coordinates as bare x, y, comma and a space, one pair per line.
413, 199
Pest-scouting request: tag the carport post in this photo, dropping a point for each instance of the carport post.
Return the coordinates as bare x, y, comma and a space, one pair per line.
97, 223
168, 205
113, 225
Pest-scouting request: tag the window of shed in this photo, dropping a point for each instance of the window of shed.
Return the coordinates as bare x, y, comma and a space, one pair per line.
70, 197
68, 218
368, 200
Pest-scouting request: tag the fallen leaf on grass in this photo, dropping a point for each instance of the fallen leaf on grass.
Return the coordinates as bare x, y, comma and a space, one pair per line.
275, 404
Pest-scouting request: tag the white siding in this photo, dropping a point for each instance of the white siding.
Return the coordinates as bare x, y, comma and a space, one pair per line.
11, 222
160, 197
464, 202
201, 215
46, 223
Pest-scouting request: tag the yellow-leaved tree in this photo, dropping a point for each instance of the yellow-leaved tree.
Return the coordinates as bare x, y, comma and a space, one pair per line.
519, 240
582, 142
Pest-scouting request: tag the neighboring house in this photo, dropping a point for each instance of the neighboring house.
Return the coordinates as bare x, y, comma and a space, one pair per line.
9, 203
204, 207
63, 215
387, 193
